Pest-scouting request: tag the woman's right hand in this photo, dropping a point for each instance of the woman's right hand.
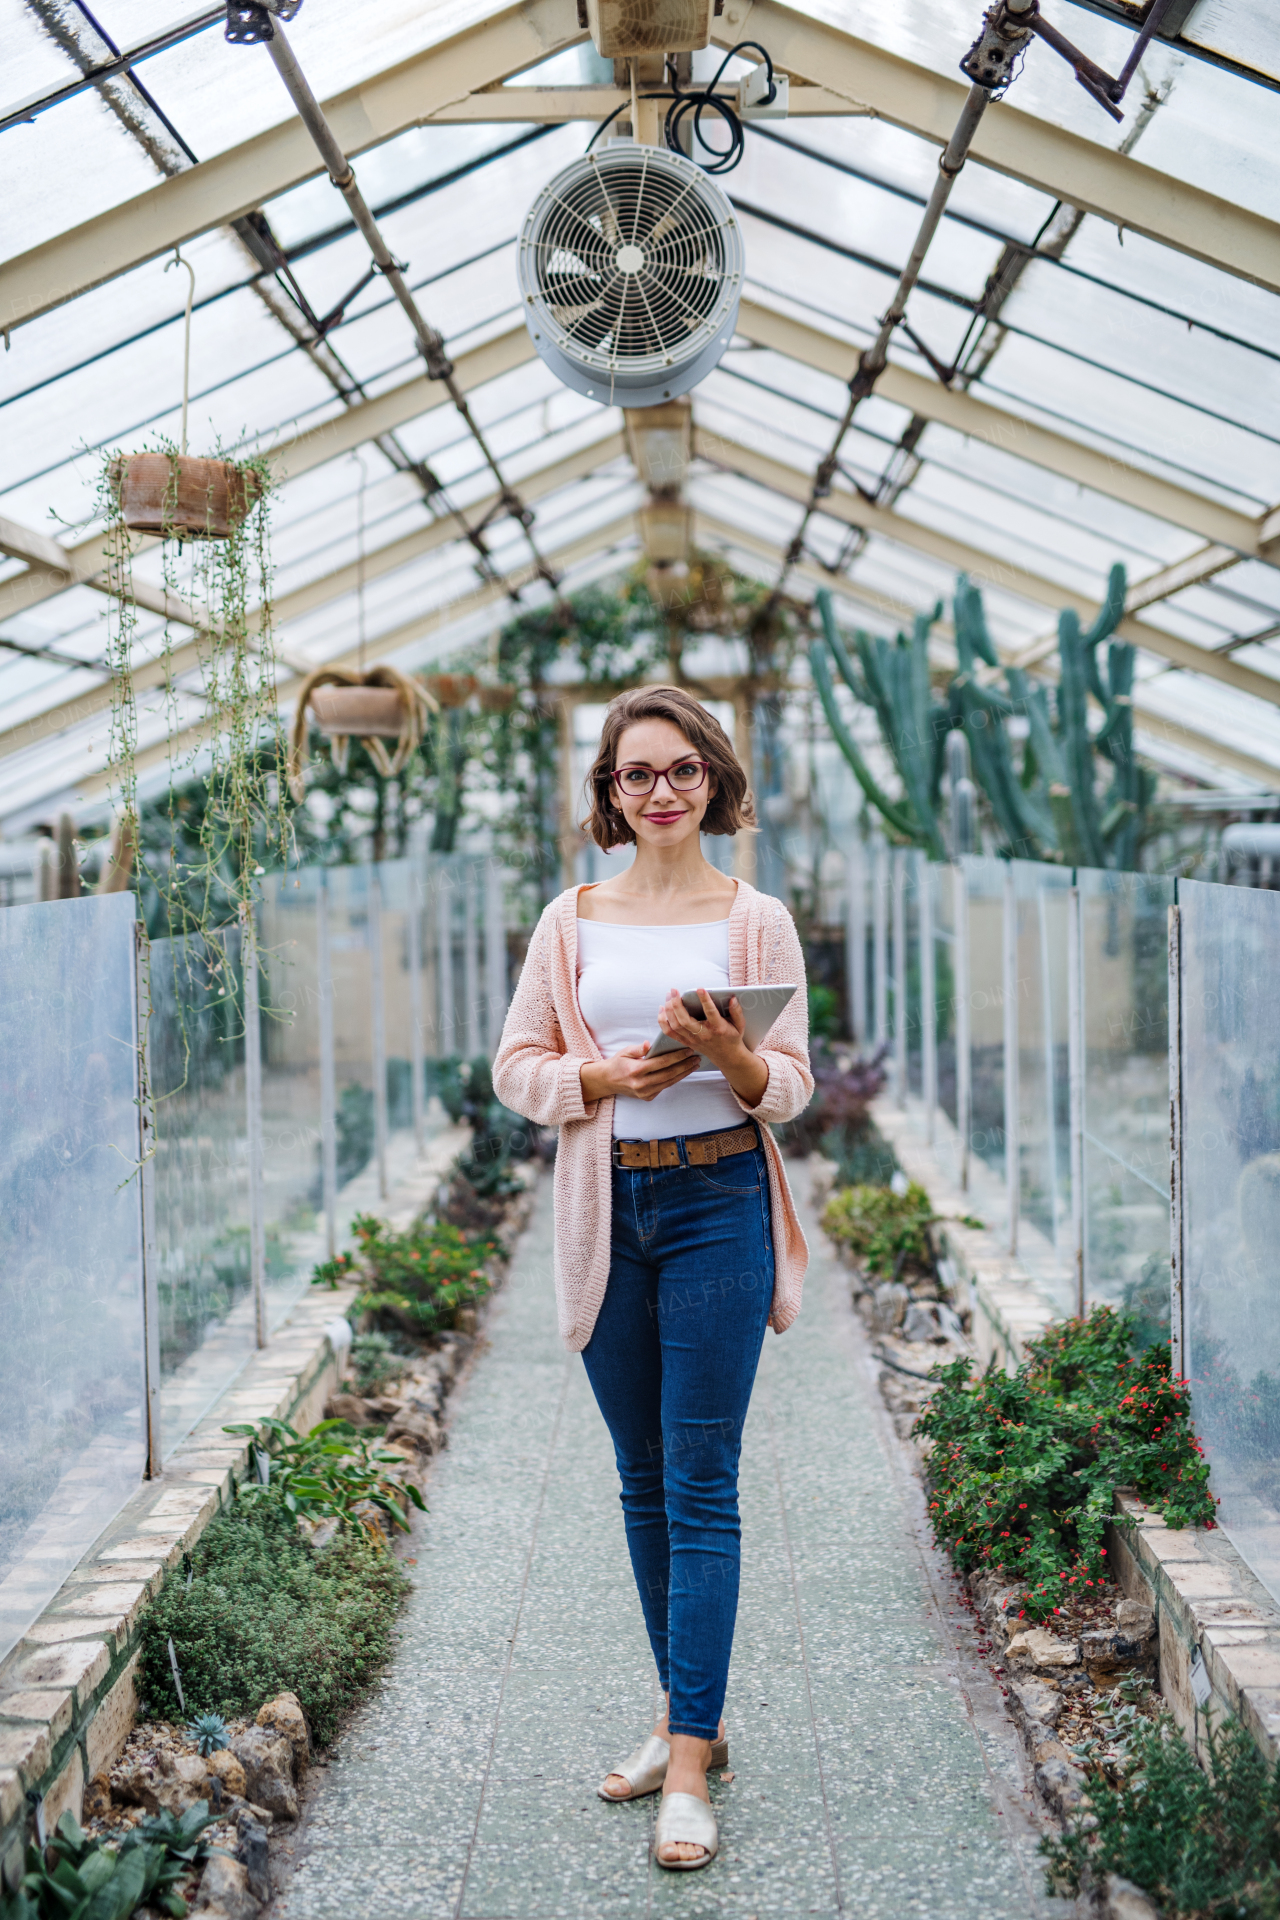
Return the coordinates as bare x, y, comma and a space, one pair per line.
632, 1073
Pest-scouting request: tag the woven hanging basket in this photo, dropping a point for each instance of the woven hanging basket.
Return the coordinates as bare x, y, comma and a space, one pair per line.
180, 497
380, 705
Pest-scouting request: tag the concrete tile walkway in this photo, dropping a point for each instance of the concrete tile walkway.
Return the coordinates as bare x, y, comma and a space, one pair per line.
875, 1773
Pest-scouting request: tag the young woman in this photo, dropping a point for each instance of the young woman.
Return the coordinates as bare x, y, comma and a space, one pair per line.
676, 1239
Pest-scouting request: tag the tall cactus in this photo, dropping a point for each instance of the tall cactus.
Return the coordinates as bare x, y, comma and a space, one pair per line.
1045, 800
894, 682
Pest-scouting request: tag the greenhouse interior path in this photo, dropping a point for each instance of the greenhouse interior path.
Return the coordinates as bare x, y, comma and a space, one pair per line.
874, 1770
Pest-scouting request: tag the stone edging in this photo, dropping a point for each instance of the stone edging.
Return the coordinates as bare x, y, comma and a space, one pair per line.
67, 1697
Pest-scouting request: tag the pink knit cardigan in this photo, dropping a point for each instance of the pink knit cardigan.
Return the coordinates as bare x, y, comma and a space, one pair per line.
544, 1044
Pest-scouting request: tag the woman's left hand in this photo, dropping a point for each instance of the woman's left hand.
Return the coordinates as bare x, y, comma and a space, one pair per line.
718, 1040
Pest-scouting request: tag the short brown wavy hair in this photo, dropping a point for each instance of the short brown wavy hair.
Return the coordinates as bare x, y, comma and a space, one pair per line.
731, 809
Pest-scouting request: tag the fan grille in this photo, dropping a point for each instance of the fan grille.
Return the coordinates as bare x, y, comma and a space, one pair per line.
633, 260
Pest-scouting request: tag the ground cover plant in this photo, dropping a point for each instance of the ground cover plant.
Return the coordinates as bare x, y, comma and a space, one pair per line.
1203, 1842
419, 1279
75, 1878
886, 1231
256, 1611
1025, 1466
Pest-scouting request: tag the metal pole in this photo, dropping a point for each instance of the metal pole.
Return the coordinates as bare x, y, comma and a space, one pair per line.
1177, 1124
1012, 1114
900, 974
328, 1075
928, 997
430, 343
416, 1063
1075, 1088
378, 1010
964, 1084
495, 954
147, 1196
470, 962
253, 1116
855, 939
445, 1017
880, 938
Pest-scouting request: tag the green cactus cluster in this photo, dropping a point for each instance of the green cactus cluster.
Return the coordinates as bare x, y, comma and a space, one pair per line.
1044, 789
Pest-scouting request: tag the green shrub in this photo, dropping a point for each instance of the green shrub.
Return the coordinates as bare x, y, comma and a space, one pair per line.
265, 1614
887, 1231
375, 1362
1204, 1845
1025, 1466
419, 1278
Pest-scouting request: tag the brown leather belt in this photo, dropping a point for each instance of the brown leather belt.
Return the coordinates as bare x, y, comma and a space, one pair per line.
700, 1149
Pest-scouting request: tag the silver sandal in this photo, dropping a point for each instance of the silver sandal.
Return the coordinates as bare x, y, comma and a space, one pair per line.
645, 1770
684, 1820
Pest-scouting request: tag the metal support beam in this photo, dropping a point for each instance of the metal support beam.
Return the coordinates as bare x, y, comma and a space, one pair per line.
1067, 166
253, 1129
985, 569
558, 106
378, 1022
1006, 432
448, 76
328, 1070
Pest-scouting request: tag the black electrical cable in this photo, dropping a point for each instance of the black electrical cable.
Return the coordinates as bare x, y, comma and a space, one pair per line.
696, 102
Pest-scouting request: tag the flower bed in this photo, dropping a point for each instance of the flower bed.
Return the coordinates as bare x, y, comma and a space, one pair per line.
1024, 1467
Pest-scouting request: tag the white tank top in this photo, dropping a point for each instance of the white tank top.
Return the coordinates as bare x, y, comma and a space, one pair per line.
624, 975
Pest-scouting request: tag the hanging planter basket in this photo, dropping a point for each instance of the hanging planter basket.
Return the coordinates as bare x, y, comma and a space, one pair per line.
498, 699
178, 496
374, 707
452, 689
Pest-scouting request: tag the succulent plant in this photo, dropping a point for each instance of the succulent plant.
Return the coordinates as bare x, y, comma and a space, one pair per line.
209, 1732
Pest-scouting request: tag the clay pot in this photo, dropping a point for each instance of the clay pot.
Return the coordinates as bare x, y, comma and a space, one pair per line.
497, 699
452, 689
362, 712
181, 497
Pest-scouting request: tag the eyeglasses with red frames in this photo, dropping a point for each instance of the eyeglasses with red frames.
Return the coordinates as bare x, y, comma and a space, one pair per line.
683, 776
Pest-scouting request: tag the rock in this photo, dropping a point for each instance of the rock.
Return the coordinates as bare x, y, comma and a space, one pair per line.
421, 1428
346, 1406
1058, 1778
225, 1767
97, 1797
888, 1306
1136, 1621
224, 1889
1124, 1901
1036, 1707
918, 1322
950, 1324
162, 1782
1035, 1647
267, 1759
251, 1852
284, 1716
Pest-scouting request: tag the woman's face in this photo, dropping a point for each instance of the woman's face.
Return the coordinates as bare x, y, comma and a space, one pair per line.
663, 818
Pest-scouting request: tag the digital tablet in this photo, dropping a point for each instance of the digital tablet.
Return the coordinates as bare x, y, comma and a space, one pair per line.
760, 1005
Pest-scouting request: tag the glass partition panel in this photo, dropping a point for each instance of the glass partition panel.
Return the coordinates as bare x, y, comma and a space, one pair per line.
72, 1389
455, 884
1231, 1203
1125, 991
349, 961
943, 882
195, 1040
914, 872
1041, 896
289, 995
984, 879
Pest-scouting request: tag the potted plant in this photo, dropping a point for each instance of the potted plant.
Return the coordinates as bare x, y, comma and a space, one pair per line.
182, 495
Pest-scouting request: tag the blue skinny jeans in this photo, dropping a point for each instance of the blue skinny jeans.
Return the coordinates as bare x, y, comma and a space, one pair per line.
671, 1361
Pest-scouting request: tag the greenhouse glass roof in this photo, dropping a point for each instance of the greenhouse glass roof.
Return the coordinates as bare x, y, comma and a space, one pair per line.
1108, 293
